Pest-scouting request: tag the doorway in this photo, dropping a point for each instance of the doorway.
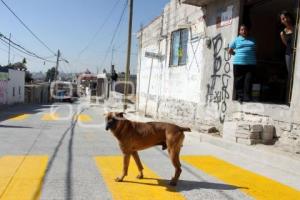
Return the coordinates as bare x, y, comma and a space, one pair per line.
272, 83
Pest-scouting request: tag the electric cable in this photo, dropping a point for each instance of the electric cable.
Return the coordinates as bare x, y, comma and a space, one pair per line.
21, 21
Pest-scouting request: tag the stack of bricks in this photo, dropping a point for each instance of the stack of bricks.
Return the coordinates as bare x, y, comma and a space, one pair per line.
249, 135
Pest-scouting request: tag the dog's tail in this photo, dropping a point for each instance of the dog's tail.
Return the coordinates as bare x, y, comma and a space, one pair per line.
185, 129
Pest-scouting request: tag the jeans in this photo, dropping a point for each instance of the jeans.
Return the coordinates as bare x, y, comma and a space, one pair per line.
243, 81
288, 62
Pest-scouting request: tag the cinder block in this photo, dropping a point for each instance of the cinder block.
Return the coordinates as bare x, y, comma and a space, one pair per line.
244, 126
268, 132
248, 141
257, 128
248, 135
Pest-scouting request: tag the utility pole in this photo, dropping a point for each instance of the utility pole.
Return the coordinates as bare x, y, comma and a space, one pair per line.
9, 49
130, 5
112, 56
56, 67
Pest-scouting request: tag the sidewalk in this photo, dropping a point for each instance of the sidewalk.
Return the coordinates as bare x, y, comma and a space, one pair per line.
265, 154
267, 160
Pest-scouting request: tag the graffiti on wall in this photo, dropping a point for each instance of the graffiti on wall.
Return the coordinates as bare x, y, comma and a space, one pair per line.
217, 89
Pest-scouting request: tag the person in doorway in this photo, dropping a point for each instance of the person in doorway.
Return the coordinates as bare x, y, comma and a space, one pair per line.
287, 35
244, 50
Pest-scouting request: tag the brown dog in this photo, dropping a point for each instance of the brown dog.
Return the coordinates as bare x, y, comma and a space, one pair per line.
135, 136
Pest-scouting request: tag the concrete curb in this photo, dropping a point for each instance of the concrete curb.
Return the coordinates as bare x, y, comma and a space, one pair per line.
266, 155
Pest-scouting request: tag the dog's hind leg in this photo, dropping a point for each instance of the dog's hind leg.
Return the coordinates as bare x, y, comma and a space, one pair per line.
139, 164
174, 151
176, 163
126, 159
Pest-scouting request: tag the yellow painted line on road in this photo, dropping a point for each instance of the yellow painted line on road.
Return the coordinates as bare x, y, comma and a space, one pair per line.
21, 177
255, 185
50, 117
84, 118
151, 187
19, 117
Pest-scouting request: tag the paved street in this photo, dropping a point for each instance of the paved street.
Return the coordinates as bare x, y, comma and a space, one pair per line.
63, 152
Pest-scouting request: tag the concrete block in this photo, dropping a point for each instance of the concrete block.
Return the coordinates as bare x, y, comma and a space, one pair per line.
244, 126
248, 141
268, 133
248, 135
257, 128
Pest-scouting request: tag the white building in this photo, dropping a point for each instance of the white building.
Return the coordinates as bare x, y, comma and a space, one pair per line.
185, 74
12, 84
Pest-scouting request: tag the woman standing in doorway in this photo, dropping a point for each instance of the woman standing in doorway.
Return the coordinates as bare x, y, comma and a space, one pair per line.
244, 50
287, 36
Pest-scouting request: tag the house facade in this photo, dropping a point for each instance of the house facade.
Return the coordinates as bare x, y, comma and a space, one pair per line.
12, 83
185, 74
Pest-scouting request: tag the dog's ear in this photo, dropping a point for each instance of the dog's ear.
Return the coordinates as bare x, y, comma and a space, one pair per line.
120, 114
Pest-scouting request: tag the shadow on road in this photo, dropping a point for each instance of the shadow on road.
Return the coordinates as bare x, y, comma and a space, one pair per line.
68, 181
9, 112
7, 126
187, 185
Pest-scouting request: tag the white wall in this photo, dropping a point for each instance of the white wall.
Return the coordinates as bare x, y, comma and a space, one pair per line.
159, 82
172, 87
3, 91
16, 82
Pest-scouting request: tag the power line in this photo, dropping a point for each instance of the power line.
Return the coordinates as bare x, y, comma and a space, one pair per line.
114, 35
27, 27
24, 51
14, 53
100, 28
21, 48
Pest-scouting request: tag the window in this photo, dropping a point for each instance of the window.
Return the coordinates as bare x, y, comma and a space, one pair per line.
13, 91
179, 41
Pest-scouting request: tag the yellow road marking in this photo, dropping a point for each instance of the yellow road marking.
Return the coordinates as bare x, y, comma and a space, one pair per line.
255, 185
152, 187
19, 117
24, 182
50, 117
84, 118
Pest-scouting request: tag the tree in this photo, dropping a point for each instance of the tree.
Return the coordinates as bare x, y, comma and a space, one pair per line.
19, 65
24, 61
28, 77
50, 74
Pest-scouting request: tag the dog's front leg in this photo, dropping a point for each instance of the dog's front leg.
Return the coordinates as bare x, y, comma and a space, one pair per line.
126, 159
139, 164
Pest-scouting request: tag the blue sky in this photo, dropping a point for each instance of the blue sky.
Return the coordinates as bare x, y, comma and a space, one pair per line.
70, 25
